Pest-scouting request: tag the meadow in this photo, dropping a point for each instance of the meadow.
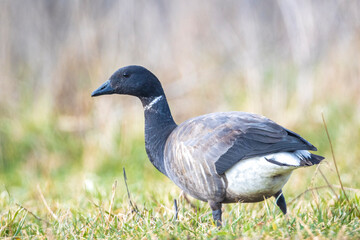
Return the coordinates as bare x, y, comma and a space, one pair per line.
63, 153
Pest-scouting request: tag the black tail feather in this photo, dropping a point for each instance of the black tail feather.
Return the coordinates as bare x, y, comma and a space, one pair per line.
308, 159
316, 159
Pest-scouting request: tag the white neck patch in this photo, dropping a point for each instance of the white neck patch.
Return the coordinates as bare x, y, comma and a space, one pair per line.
157, 99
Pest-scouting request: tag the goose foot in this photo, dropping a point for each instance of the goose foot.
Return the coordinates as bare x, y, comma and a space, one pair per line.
280, 201
216, 212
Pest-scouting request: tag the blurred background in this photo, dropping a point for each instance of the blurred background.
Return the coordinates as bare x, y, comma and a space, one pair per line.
288, 60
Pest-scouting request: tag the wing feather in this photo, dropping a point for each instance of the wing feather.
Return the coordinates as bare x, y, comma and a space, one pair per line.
216, 142
260, 137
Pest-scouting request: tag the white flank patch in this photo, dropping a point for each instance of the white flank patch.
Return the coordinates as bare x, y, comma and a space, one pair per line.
157, 99
254, 176
286, 158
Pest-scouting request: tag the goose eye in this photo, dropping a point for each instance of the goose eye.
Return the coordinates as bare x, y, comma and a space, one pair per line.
126, 75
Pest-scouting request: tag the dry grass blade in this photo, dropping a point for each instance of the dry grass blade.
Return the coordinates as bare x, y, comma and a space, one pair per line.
333, 156
348, 188
322, 187
36, 217
112, 199
306, 191
100, 209
327, 182
332, 153
133, 205
45, 203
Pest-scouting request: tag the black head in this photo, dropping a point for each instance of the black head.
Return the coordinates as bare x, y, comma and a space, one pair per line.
131, 80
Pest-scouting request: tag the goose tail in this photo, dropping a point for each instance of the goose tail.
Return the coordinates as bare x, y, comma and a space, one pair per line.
308, 159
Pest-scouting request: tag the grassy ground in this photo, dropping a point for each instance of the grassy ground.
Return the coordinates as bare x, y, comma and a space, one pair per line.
61, 151
56, 210
96, 216
66, 200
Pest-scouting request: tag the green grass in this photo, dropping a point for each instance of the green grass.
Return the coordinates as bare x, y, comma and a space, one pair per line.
57, 195
316, 213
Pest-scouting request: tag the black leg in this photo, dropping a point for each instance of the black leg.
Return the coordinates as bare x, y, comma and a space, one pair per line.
280, 201
216, 211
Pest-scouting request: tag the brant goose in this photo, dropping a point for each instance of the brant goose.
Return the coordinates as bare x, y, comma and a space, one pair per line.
222, 157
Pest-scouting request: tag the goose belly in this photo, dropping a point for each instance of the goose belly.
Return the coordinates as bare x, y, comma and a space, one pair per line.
253, 179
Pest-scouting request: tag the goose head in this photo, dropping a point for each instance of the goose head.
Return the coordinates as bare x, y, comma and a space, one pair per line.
131, 80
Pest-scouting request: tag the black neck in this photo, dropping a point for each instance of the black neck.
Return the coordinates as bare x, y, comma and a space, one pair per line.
158, 126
